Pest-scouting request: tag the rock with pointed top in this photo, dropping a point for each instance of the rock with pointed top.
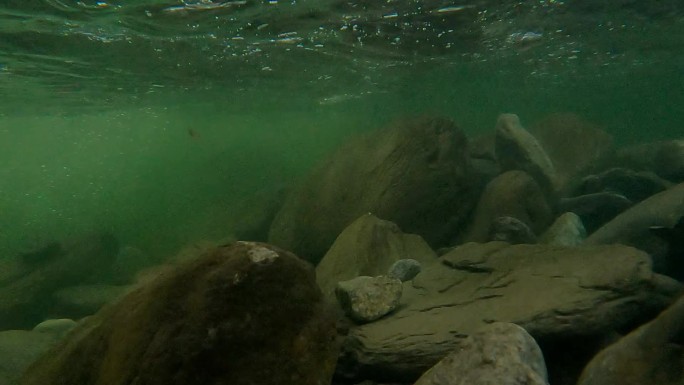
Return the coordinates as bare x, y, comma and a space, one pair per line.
517, 149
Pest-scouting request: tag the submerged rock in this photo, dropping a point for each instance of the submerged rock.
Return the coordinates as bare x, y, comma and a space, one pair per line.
651, 354
416, 174
244, 313
566, 230
511, 230
58, 327
666, 159
573, 144
596, 209
635, 186
369, 247
517, 149
20, 348
83, 300
365, 299
500, 353
511, 194
26, 282
553, 292
633, 227
404, 269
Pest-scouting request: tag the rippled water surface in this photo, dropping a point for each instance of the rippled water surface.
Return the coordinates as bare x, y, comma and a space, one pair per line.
148, 116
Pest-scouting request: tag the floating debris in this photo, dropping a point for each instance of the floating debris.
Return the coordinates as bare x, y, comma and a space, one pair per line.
453, 8
205, 6
524, 38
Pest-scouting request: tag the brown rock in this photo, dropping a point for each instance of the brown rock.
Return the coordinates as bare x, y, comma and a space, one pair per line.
517, 149
369, 247
553, 292
572, 143
665, 158
652, 354
511, 194
416, 174
240, 314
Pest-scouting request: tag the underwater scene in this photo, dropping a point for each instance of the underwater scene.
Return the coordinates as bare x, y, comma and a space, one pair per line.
329, 192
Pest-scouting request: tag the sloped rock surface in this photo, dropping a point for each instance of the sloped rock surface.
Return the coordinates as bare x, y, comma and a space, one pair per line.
550, 291
369, 247
416, 174
240, 314
652, 354
632, 228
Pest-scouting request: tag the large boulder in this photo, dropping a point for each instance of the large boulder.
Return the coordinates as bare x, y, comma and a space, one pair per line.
244, 313
573, 144
634, 227
553, 292
369, 247
652, 354
416, 174
28, 281
512, 194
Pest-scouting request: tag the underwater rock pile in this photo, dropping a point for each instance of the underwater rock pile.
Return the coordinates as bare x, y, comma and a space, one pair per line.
416, 174
556, 253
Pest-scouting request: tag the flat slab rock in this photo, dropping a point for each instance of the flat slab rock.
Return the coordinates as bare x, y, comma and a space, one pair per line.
551, 291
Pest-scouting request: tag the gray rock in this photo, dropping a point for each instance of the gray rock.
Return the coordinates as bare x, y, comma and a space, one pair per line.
416, 174
369, 247
566, 230
634, 185
633, 227
651, 354
511, 230
500, 353
597, 209
365, 299
511, 194
517, 149
58, 327
553, 292
404, 269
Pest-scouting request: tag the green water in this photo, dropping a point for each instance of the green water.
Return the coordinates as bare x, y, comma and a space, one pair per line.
161, 121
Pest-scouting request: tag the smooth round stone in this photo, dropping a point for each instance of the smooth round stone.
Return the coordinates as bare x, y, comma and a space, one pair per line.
404, 269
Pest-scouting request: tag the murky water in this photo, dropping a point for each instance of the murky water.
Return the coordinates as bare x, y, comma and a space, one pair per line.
158, 120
